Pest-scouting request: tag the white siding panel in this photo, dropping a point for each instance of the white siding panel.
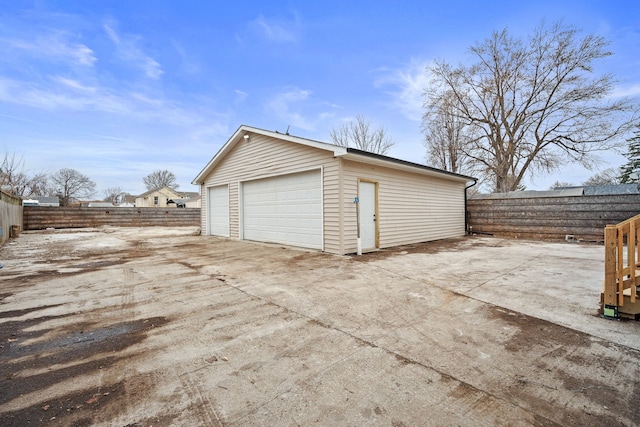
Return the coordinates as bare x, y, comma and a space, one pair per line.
412, 207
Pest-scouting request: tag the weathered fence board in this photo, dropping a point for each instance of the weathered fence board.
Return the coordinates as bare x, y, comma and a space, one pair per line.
10, 216
40, 217
583, 217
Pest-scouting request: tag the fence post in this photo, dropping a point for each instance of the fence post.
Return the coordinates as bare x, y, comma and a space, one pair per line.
610, 300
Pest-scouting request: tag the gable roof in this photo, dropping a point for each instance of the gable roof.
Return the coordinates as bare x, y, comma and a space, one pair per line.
346, 153
161, 190
190, 195
43, 199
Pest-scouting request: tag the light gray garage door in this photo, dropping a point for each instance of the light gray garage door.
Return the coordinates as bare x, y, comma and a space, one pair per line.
284, 209
218, 207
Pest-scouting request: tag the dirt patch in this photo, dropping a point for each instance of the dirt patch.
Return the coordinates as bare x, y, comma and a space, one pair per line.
432, 247
53, 355
18, 313
554, 342
533, 331
75, 409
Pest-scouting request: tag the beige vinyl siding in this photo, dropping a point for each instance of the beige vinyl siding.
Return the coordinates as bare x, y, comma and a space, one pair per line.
349, 218
262, 157
203, 211
234, 209
331, 207
412, 207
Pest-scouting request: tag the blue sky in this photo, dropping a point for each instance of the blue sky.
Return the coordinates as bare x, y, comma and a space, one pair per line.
118, 89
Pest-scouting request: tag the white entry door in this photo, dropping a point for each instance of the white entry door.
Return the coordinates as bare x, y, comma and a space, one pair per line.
218, 207
367, 204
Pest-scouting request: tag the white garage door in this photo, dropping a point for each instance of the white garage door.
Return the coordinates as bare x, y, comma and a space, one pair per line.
218, 206
284, 209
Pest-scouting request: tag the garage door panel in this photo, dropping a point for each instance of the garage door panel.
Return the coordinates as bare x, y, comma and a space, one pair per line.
218, 208
284, 209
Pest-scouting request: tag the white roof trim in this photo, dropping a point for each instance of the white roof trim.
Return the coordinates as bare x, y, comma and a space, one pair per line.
248, 130
345, 153
403, 165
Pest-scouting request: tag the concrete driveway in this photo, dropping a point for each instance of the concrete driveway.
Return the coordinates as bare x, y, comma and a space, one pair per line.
158, 326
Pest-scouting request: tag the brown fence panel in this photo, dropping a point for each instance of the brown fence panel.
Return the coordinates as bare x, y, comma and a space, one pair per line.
582, 217
41, 217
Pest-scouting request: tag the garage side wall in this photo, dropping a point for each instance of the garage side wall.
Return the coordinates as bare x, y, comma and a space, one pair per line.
412, 207
263, 157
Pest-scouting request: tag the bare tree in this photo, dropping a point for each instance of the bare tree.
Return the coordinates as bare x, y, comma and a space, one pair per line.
561, 184
159, 179
71, 184
14, 180
358, 134
605, 177
447, 138
114, 195
532, 104
20, 185
11, 176
38, 185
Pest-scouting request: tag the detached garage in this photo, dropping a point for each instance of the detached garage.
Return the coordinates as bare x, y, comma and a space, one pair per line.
272, 187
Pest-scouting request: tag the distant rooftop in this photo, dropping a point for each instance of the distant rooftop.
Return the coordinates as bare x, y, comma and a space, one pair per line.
581, 190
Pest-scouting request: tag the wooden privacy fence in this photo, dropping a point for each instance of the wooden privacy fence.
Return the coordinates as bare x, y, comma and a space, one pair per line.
42, 217
621, 269
579, 218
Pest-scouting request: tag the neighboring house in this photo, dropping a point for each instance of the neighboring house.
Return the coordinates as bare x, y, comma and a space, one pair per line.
190, 195
190, 199
128, 201
194, 201
610, 189
157, 198
42, 201
179, 203
272, 187
98, 204
569, 191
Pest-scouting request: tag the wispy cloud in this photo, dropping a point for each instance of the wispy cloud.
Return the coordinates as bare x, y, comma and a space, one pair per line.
188, 63
406, 88
61, 93
282, 103
240, 96
75, 84
274, 30
54, 45
297, 107
626, 91
129, 50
